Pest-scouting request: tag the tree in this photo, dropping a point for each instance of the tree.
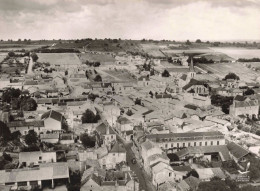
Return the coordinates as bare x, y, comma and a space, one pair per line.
66, 72
28, 104
249, 91
232, 76
92, 96
138, 101
34, 57
98, 78
11, 54
5, 133
10, 94
188, 42
129, 112
89, 117
152, 72
31, 138
87, 141
198, 41
165, 73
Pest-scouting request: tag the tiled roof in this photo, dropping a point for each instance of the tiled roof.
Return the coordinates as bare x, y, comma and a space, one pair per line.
189, 135
123, 120
117, 148
246, 103
192, 181
240, 98
49, 136
52, 114
236, 150
182, 168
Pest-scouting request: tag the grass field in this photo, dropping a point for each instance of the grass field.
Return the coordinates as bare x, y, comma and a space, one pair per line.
96, 57
239, 52
220, 70
59, 58
19, 47
152, 50
120, 74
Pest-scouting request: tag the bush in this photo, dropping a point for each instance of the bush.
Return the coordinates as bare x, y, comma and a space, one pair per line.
87, 141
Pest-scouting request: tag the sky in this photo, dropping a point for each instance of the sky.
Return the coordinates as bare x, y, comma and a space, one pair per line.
214, 20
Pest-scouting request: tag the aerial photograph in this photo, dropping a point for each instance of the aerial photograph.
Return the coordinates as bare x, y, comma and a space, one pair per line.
129, 95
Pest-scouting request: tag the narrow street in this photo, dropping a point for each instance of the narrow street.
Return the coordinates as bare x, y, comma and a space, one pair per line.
144, 182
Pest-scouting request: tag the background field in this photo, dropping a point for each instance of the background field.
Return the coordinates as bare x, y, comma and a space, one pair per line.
220, 70
59, 58
239, 52
96, 57
152, 50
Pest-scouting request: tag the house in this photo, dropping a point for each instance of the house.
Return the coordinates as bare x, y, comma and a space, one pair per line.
125, 127
205, 174
161, 173
197, 99
143, 81
189, 184
237, 152
176, 141
113, 181
147, 149
244, 106
36, 157
115, 156
25, 126
106, 134
48, 173
53, 121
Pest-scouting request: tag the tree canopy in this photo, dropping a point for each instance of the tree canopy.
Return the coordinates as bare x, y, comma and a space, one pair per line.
249, 91
87, 140
34, 57
25, 103
165, 73
98, 78
31, 138
4, 131
231, 76
89, 117
10, 94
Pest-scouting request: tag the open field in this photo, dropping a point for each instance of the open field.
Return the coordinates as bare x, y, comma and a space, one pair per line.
172, 52
59, 58
220, 70
216, 56
19, 47
102, 58
2, 56
239, 52
152, 50
120, 74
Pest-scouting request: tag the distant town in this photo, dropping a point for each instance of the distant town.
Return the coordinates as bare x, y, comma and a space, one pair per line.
129, 115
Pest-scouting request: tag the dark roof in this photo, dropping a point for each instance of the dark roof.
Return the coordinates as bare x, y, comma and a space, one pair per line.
25, 124
117, 148
123, 120
52, 114
96, 179
236, 150
192, 181
163, 96
102, 129
182, 168
31, 82
192, 83
240, 98
193, 107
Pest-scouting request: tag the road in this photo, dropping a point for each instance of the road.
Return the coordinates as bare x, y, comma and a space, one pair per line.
29, 71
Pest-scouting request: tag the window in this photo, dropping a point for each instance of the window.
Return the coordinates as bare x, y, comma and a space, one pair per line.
206, 143
111, 136
217, 142
166, 146
178, 145
189, 144
172, 145
194, 144
183, 144
211, 142
40, 158
200, 143
170, 174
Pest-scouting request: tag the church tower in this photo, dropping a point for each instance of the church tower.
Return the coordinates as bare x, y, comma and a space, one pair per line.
191, 72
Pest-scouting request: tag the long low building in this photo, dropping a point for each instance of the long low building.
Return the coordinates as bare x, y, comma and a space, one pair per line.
177, 141
48, 172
